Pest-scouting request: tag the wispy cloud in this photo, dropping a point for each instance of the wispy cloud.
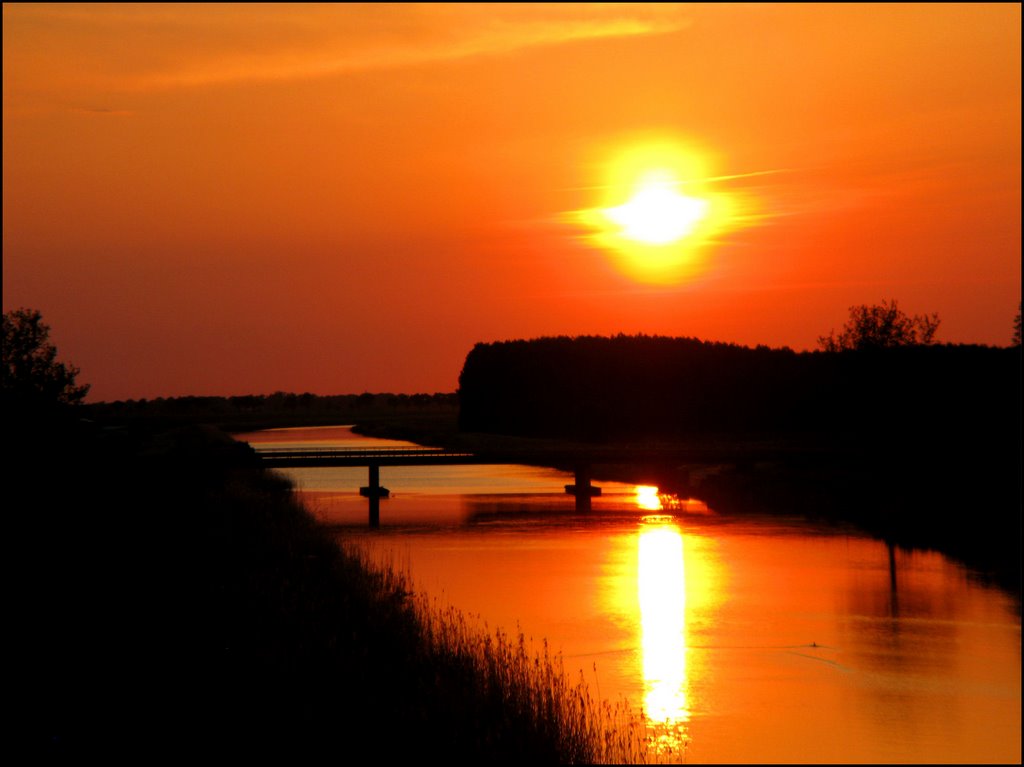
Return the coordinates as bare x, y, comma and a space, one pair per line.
142, 47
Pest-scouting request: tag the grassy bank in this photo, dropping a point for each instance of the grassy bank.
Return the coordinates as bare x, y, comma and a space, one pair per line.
183, 602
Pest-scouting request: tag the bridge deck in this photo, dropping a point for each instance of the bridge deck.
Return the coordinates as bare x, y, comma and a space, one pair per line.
580, 462
386, 457
427, 456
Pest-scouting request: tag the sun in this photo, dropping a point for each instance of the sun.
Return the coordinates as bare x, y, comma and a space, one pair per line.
657, 213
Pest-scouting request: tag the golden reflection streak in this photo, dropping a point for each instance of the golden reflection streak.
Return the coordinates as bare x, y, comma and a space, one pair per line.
661, 584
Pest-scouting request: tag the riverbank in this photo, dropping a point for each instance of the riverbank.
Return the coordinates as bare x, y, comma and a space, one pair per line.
182, 601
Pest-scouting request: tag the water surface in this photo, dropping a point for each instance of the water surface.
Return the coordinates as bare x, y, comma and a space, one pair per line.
753, 639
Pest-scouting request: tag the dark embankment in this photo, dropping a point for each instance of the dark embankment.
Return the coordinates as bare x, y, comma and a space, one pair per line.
917, 444
173, 600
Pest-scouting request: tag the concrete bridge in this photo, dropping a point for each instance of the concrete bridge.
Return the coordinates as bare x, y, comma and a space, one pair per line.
576, 459
373, 459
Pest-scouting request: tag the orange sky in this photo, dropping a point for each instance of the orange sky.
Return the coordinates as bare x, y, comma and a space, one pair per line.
235, 199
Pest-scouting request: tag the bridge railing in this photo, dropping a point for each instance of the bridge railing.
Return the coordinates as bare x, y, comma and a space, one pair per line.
290, 457
360, 452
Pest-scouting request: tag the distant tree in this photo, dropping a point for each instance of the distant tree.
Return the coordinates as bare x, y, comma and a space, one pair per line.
31, 372
1016, 328
881, 326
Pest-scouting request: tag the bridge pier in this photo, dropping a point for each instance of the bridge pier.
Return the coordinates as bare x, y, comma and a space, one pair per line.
374, 511
374, 492
582, 489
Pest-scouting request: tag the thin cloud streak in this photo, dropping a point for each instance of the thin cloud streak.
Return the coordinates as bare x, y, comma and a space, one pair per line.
200, 52
289, 67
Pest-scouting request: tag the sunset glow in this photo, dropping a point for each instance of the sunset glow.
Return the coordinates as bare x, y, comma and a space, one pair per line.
337, 198
368, 319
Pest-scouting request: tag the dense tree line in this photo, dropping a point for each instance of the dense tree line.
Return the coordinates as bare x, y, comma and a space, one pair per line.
284, 407
657, 387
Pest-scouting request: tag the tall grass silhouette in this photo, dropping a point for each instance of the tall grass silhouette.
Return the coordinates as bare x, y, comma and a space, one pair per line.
522, 700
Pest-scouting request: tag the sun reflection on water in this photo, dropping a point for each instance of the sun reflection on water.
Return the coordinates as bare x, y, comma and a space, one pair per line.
647, 498
661, 585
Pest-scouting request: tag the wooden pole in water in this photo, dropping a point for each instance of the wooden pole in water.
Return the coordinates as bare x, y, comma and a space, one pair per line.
374, 495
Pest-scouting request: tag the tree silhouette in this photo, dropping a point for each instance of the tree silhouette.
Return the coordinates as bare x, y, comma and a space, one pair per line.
31, 372
881, 326
1016, 328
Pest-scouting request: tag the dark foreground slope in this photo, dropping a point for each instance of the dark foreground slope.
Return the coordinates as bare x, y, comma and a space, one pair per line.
173, 600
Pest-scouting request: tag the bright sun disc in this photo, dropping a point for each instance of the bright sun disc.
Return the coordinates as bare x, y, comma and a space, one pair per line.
657, 214
660, 212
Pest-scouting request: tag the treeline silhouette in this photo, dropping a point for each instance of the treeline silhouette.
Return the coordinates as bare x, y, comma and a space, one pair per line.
599, 388
253, 411
920, 445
